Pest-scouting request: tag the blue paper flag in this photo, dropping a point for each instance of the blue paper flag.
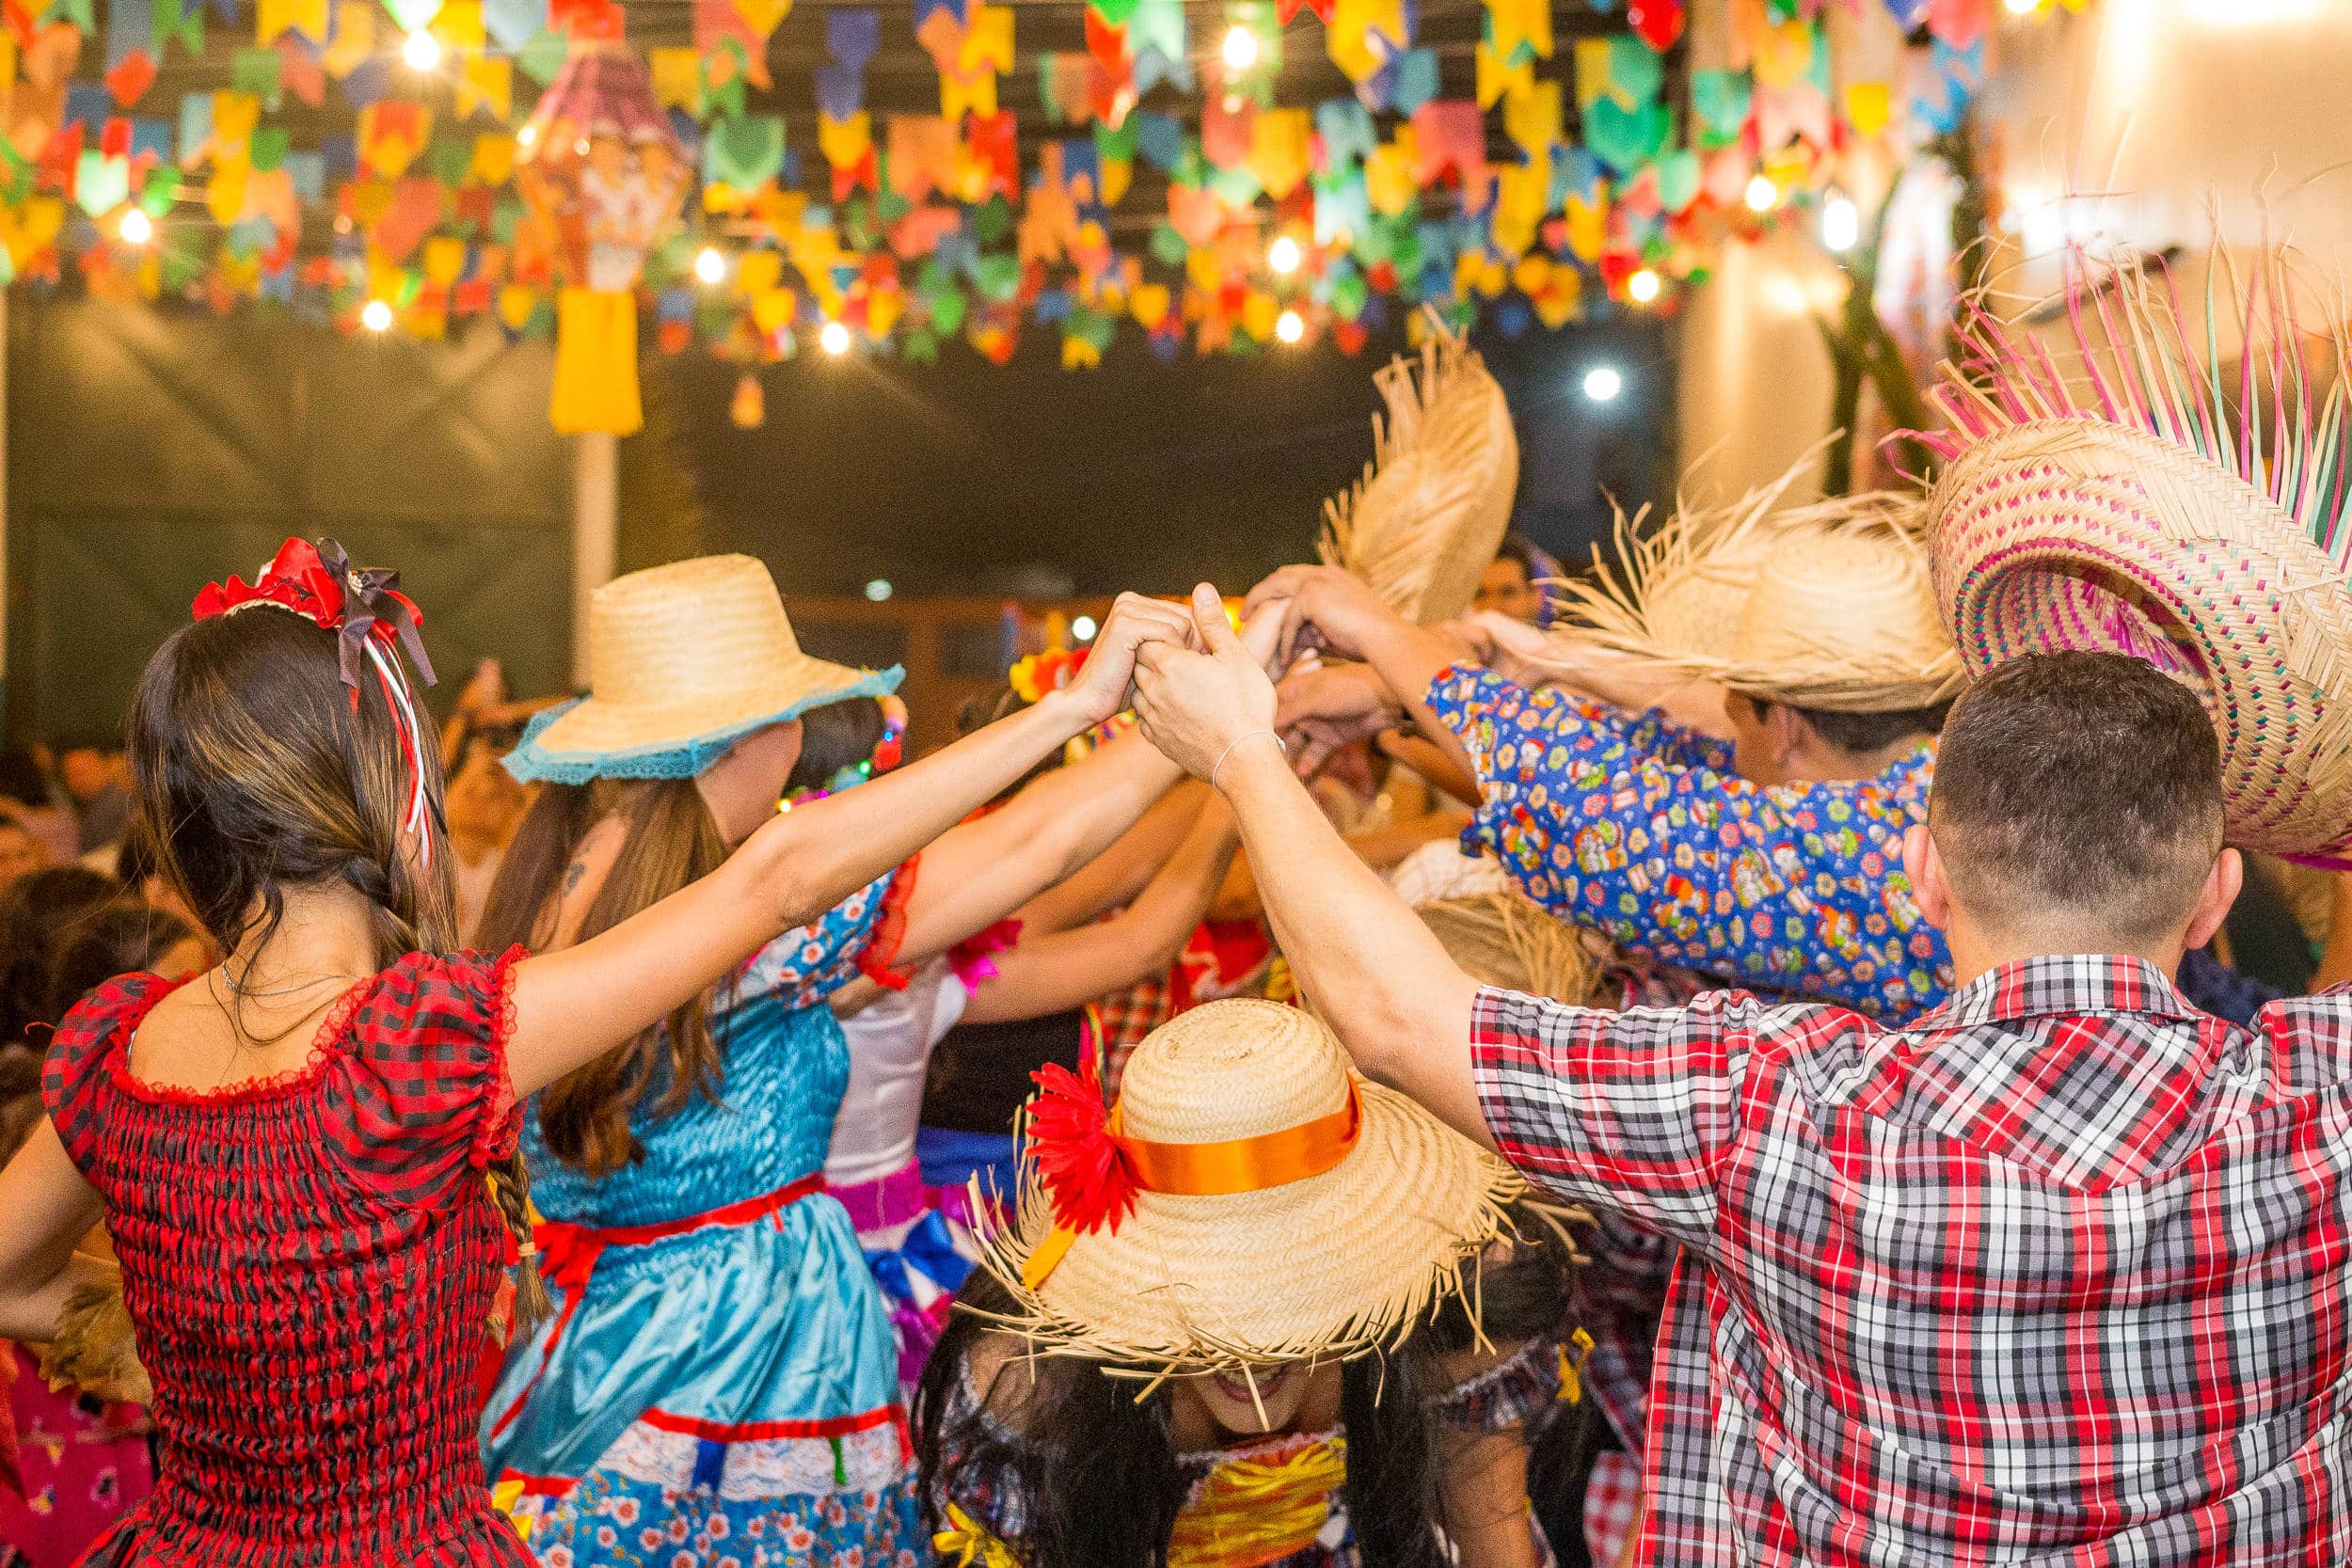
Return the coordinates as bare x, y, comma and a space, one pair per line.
514, 22
88, 103
130, 28
923, 9
1053, 304
1161, 140
840, 89
308, 170
1416, 79
152, 137
675, 304
339, 157
277, 283
369, 81
852, 35
230, 12
196, 122
1346, 129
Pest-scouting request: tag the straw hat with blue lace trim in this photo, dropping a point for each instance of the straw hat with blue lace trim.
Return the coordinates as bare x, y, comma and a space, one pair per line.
684, 660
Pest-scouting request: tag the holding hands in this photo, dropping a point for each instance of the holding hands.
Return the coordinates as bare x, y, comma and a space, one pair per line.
1197, 700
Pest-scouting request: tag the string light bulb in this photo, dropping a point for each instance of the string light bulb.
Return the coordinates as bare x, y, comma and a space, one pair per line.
1763, 196
1283, 255
137, 227
1642, 287
1289, 327
2023, 8
834, 338
1841, 224
1240, 48
421, 49
527, 135
709, 265
1602, 383
376, 316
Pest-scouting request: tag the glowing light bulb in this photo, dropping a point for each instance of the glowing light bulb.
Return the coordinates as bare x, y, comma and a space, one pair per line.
1763, 196
709, 265
421, 51
834, 338
2023, 8
1642, 287
376, 316
878, 590
1602, 383
1283, 255
1240, 48
1289, 327
527, 135
1083, 628
1841, 224
136, 227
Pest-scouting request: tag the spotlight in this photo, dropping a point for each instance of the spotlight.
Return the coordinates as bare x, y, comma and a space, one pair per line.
137, 227
1083, 628
1240, 47
421, 51
1289, 327
1283, 256
709, 265
878, 590
1841, 224
1642, 287
834, 338
1763, 196
376, 316
1602, 383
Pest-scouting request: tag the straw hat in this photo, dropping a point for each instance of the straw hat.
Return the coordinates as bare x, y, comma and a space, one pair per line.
1825, 606
1424, 522
2140, 507
683, 661
1505, 938
1329, 1264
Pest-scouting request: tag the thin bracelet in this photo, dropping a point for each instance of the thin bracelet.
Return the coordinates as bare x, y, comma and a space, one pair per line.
1249, 735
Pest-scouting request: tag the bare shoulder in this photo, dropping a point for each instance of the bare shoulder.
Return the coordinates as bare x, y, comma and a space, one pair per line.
583, 879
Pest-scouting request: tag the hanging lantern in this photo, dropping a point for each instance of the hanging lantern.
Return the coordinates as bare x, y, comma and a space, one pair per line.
749, 410
602, 174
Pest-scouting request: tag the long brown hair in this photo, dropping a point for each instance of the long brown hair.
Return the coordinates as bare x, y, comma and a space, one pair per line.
252, 770
671, 840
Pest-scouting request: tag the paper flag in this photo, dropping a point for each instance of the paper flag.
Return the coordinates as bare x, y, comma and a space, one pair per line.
486, 83
514, 22
1588, 229
1719, 106
129, 80
1678, 179
1869, 107
1280, 144
1416, 79
102, 183
257, 71
459, 27
298, 69
1390, 174
353, 41
130, 30
1531, 119
763, 16
1626, 139
1520, 30
853, 33
1635, 73
1592, 71
744, 151
1784, 55
1494, 77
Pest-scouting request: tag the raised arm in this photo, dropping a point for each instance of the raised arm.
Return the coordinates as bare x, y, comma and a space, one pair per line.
574, 1004
978, 872
1048, 972
1117, 876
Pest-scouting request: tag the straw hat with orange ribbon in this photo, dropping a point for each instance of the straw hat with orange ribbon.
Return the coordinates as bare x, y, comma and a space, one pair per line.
1424, 522
1248, 1202
684, 660
2142, 503
1823, 606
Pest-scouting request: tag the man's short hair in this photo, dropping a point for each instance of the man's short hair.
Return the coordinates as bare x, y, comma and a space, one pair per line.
1866, 733
2078, 792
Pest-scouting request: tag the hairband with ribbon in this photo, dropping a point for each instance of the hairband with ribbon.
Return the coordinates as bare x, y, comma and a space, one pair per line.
374, 621
1092, 1170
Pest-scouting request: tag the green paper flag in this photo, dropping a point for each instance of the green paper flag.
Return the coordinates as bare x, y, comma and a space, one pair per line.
543, 55
160, 190
270, 146
1623, 139
1167, 246
259, 72
992, 221
412, 15
449, 158
1634, 70
102, 183
947, 312
1117, 13
744, 151
1718, 105
921, 348
1678, 179
997, 276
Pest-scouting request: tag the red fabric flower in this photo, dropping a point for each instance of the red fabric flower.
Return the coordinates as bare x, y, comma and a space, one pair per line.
1069, 1136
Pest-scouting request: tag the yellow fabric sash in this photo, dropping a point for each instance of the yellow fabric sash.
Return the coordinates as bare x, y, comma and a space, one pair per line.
1253, 1512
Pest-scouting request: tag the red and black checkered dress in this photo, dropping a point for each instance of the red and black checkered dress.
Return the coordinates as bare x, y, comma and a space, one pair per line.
309, 1260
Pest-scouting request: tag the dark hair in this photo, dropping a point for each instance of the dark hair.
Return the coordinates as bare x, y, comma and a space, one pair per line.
834, 736
40, 911
1003, 702
671, 841
22, 780
1098, 1466
1865, 733
124, 937
2081, 786
253, 769
1517, 549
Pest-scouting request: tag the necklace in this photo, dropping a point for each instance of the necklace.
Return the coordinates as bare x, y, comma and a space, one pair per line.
239, 988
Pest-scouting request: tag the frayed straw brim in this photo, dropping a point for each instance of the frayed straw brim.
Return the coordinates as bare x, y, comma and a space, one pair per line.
1826, 606
1330, 1266
684, 659
2140, 501
1507, 939
2076, 533
1424, 522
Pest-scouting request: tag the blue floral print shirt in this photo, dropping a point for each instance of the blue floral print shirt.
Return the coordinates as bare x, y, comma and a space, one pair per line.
1641, 829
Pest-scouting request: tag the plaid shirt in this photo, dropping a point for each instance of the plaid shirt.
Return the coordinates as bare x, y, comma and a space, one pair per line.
2054, 1276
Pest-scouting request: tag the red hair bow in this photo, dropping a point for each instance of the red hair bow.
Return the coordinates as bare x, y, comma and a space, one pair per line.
320, 584
1079, 1159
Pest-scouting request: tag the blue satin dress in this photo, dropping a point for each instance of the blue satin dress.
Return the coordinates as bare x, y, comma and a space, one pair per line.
723, 1391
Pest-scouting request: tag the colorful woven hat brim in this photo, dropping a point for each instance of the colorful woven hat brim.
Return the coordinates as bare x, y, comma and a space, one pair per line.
1424, 522
2134, 507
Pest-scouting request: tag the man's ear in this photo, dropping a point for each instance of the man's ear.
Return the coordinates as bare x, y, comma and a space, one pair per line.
1787, 732
1924, 864
2214, 898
